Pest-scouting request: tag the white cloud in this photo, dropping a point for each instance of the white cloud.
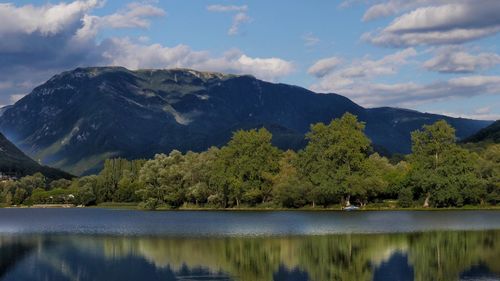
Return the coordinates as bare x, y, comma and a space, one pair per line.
310, 40
238, 20
14, 98
264, 68
484, 113
124, 52
483, 110
450, 23
240, 17
136, 15
410, 94
46, 20
324, 66
393, 7
358, 81
5, 85
40, 40
227, 8
456, 60
143, 39
349, 3
334, 79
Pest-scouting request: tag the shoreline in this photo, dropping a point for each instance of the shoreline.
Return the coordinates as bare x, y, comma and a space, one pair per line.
133, 206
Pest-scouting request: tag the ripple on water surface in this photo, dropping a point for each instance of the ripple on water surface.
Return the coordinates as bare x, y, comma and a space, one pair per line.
247, 223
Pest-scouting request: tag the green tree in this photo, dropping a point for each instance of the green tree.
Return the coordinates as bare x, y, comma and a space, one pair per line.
127, 188
60, 183
489, 170
85, 196
197, 169
333, 159
163, 180
289, 190
245, 166
443, 173
405, 198
370, 182
19, 196
39, 196
30, 183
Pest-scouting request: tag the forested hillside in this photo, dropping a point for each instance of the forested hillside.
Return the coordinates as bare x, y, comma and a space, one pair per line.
14, 163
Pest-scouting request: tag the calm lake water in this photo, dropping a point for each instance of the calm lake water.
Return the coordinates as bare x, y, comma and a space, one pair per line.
103, 244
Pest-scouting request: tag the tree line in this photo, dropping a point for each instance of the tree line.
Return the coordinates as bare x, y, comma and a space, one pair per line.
337, 167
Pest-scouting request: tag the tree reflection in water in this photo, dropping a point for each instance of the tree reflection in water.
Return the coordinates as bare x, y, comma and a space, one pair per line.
10, 254
415, 256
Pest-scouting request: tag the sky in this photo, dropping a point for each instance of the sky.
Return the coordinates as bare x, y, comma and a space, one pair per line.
436, 56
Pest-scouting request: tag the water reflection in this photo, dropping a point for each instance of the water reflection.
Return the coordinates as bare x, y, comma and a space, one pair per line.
415, 256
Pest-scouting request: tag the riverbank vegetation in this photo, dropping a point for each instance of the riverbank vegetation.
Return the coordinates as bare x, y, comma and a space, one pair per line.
337, 167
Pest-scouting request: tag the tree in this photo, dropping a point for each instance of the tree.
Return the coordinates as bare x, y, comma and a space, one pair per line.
489, 170
431, 144
19, 196
60, 183
334, 157
109, 178
39, 196
127, 188
441, 171
370, 182
162, 180
197, 172
30, 183
405, 198
85, 196
289, 190
244, 167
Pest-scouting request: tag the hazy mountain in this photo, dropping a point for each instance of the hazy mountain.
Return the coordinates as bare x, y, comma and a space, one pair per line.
15, 163
79, 117
488, 134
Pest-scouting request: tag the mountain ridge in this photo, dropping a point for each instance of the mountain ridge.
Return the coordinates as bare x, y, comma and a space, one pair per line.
14, 162
490, 133
79, 117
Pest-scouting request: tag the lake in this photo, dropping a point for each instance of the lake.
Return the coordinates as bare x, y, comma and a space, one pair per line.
105, 244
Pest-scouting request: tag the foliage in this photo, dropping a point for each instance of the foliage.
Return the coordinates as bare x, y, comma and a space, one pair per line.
244, 168
444, 174
336, 167
289, 189
405, 198
334, 159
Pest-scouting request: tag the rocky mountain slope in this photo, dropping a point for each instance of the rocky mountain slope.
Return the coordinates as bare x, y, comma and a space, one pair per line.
79, 117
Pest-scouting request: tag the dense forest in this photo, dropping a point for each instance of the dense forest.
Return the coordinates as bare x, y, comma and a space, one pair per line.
338, 167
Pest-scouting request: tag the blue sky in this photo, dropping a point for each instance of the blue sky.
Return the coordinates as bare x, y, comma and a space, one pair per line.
434, 56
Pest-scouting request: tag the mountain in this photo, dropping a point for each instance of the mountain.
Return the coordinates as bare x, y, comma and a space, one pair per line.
488, 134
15, 163
78, 118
